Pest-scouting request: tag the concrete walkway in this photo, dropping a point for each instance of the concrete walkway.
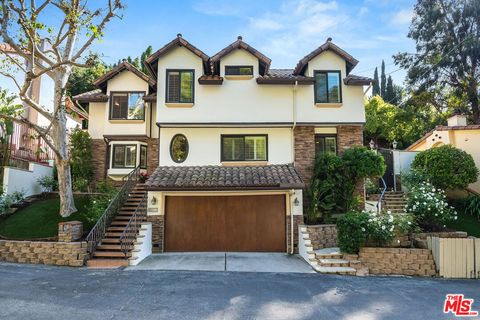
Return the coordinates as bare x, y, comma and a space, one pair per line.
225, 261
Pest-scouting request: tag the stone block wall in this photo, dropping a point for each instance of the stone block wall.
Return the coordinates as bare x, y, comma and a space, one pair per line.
99, 160
152, 155
71, 254
398, 261
157, 232
70, 231
323, 236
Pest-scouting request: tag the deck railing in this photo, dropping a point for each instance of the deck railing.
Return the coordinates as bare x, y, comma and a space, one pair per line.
129, 235
98, 231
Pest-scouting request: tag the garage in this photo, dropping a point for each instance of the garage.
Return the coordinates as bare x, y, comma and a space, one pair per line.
233, 223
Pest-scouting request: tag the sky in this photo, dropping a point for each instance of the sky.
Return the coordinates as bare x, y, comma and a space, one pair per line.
283, 30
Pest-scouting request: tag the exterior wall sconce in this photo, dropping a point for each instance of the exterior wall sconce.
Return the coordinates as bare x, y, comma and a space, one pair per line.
153, 201
394, 144
296, 203
372, 144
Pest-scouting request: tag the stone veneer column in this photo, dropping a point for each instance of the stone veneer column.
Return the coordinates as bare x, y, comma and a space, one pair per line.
297, 220
99, 154
152, 154
157, 232
304, 142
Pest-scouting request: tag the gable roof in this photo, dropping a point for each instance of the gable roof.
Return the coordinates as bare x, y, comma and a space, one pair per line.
284, 76
179, 41
240, 44
280, 176
91, 96
354, 80
125, 65
327, 46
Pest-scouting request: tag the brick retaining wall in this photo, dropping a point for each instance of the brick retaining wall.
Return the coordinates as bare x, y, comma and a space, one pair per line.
398, 261
323, 236
38, 252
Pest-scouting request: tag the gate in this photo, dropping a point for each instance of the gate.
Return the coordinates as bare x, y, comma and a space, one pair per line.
456, 257
389, 172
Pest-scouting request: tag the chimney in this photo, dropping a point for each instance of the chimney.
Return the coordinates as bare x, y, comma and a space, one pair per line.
457, 120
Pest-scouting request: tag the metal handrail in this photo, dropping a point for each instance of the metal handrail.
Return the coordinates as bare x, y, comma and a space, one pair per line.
98, 231
129, 235
381, 195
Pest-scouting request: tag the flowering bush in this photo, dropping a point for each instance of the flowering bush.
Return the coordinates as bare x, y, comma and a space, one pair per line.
99, 203
143, 176
429, 205
356, 228
7, 200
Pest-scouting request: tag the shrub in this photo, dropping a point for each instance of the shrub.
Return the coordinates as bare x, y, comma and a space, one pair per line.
7, 200
371, 187
98, 204
351, 231
48, 183
429, 206
81, 159
472, 206
446, 167
335, 178
356, 228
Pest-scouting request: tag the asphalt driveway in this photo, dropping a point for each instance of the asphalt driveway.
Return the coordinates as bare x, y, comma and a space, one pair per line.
225, 261
45, 292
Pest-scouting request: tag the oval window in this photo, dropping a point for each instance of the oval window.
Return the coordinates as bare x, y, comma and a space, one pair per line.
179, 148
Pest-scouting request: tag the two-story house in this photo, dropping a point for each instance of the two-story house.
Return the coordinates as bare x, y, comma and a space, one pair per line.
229, 142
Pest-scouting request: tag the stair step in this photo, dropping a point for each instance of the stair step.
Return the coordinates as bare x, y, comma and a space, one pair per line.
334, 262
113, 234
110, 240
107, 263
336, 270
123, 217
119, 223
113, 229
109, 247
111, 254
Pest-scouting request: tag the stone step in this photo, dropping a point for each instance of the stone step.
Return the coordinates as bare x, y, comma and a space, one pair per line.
107, 263
111, 254
113, 234
334, 262
328, 255
115, 229
109, 247
110, 240
336, 270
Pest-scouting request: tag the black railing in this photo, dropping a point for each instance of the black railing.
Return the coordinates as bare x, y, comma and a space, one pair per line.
98, 231
129, 235
379, 203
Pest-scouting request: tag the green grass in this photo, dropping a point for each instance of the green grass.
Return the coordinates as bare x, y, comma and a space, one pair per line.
467, 223
40, 219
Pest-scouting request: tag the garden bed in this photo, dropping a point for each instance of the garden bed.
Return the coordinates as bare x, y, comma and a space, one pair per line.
40, 220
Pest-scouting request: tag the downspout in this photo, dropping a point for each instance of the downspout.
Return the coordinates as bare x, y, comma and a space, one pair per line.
292, 192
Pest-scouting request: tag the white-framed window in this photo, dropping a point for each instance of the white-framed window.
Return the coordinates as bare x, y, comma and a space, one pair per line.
127, 155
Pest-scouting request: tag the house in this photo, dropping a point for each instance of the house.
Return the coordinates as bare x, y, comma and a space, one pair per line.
229, 141
458, 134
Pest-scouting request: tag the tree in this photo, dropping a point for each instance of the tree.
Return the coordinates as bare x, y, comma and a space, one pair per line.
383, 85
376, 83
389, 92
51, 50
145, 54
446, 167
447, 58
81, 159
81, 79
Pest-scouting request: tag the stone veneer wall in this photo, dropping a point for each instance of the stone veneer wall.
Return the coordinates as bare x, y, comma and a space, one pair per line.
157, 232
398, 261
349, 136
152, 155
99, 159
55, 253
323, 235
297, 220
304, 140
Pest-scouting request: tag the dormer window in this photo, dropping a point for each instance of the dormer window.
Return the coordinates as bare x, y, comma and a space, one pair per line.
179, 86
327, 87
238, 70
127, 106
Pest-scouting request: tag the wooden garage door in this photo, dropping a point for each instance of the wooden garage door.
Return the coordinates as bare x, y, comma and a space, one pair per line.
225, 223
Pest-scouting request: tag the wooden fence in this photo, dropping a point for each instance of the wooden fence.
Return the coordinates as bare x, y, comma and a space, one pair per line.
456, 257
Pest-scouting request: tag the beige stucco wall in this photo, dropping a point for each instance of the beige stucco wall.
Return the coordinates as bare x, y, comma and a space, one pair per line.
246, 101
204, 144
100, 125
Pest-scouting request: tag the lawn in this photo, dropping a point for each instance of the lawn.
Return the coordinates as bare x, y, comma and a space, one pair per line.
467, 223
40, 219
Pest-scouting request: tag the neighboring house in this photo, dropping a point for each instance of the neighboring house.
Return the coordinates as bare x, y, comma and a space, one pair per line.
458, 134
29, 157
228, 141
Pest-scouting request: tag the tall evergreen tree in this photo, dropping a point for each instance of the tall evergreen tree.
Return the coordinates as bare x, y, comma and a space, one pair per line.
383, 84
389, 92
376, 83
144, 56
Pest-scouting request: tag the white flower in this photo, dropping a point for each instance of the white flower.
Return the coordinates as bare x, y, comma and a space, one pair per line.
409, 223
363, 229
455, 218
383, 227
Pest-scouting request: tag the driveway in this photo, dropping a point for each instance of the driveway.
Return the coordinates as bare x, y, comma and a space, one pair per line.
225, 261
47, 292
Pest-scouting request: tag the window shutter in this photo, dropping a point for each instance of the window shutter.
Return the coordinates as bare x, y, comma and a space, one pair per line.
173, 86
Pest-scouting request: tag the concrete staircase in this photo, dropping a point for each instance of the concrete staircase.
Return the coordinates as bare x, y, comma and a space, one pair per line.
394, 201
328, 260
108, 253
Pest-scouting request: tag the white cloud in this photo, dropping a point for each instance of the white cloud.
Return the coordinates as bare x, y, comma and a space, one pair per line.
403, 16
265, 24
